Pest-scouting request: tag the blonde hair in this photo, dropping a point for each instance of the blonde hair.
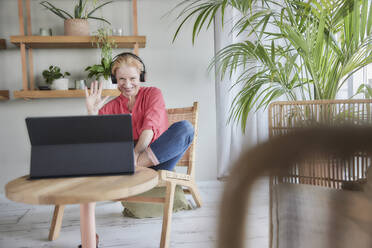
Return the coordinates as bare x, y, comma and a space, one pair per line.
126, 60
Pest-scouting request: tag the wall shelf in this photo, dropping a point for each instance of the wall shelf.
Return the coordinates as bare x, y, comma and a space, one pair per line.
4, 95
32, 41
2, 44
27, 42
34, 94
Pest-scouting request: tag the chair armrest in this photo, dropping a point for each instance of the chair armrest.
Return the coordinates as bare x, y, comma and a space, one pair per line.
166, 175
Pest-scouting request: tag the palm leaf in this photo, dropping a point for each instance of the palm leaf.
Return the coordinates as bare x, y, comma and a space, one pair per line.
369, 22
194, 8
364, 89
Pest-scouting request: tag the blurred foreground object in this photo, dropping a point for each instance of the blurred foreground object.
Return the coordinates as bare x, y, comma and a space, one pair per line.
323, 169
302, 215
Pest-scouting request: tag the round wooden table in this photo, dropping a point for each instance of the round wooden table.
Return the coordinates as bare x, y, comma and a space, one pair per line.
81, 190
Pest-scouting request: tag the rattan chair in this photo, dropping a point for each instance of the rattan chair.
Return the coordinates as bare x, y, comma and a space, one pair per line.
168, 179
347, 223
285, 117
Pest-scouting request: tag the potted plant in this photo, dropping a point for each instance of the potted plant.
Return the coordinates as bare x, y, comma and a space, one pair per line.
102, 71
309, 52
77, 24
54, 77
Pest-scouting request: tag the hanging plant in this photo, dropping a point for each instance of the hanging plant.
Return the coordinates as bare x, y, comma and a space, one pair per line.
106, 44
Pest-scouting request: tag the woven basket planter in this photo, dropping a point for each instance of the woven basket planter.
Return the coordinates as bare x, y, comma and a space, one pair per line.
78, 27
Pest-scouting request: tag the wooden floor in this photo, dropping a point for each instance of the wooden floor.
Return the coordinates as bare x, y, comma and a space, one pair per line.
27, 226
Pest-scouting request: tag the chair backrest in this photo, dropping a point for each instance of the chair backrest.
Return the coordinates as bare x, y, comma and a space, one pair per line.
190, 114
287, 116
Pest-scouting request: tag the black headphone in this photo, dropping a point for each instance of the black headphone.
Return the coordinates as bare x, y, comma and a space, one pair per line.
142, 74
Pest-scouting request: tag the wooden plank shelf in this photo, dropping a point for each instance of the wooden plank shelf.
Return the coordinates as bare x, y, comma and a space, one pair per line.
33, 41
36, 94
4, 95
27, 42
2, 44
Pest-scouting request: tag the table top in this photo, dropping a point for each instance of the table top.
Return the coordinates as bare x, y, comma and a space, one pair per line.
77, 190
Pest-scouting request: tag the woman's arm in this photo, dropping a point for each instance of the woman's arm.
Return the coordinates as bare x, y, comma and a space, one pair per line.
143, 141
155, 122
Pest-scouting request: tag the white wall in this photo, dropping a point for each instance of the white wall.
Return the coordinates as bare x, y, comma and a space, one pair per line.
178, 69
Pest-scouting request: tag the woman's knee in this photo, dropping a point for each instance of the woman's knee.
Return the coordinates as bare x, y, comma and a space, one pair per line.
185, 127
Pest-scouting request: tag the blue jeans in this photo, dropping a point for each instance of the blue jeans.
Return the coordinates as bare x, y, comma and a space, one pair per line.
172, 144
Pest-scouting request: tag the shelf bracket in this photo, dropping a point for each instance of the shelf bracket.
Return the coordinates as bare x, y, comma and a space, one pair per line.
30, 57
135, 26
30, 75
22, 45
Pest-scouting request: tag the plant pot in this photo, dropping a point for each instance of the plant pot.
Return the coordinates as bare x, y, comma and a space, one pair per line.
78, 27
60, 84
43, 86
107, 84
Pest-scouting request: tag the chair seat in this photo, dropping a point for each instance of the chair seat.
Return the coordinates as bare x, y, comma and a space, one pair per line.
152, 201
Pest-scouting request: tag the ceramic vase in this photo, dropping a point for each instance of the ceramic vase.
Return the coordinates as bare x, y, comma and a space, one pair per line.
60, 84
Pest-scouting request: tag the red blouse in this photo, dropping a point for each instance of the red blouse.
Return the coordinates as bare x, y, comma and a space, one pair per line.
148, 112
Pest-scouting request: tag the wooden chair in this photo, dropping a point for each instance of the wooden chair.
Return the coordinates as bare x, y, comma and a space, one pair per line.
276, 157
168, 179
323, 171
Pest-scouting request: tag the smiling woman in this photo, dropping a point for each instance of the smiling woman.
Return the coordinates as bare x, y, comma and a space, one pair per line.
157, 146
129, 72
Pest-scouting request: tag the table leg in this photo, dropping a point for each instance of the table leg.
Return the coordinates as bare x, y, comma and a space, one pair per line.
88, 225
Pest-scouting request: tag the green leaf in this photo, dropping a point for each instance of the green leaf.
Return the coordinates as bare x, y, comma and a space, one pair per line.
77, 12
95, 9
91, 74
186, 19
369, 22
100, 19
106, 63
366, 90
53, 9
356, 18
363, 20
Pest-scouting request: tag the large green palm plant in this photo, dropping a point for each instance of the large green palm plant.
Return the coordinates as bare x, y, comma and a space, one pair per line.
310, 50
